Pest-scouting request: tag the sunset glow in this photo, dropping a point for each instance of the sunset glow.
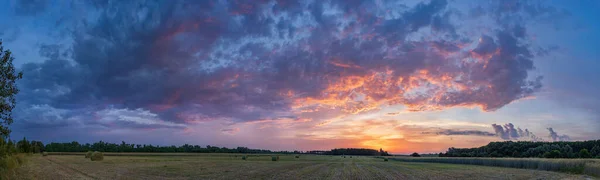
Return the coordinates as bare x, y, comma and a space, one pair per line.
407, 77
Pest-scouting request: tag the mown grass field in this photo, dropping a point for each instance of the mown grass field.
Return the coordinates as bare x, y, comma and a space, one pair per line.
230, 166
578, 166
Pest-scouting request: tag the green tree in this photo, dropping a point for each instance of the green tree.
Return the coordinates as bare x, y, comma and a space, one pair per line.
595, 151
8, 89
552, 154
24, 146
415, 154
584, 153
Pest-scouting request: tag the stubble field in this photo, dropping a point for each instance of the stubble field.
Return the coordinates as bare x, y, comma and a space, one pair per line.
229, 166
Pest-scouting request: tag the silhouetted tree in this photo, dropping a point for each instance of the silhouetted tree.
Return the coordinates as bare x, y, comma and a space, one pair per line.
8, 89
415, 154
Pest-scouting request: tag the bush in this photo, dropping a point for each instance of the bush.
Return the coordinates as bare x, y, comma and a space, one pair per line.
385, 159
97, 156
274, 158
45, 154
244, 157
88, 154
415, 154
297, 156
584, 153
9, 163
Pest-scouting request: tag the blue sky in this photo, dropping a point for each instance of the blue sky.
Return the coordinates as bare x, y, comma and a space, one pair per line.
276, 74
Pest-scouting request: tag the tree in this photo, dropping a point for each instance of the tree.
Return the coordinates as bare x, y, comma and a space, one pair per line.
516, 154
24, 146
584, 153
552, 154
595, 151
415, 154
8, 89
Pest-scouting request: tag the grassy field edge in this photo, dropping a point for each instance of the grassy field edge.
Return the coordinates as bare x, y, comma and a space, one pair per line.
576, 166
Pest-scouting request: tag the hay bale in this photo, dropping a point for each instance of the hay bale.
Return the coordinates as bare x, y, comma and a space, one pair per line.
88, 154
44, 153
97, 156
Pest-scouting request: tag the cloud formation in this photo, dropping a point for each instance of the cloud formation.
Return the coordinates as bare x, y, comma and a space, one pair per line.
555, 137
176, 64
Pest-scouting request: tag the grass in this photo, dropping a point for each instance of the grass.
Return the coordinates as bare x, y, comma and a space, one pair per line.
8, 165
576, 166
231, 166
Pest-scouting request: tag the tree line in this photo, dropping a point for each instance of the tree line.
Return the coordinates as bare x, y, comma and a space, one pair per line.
528, 149
25, 146
357, 151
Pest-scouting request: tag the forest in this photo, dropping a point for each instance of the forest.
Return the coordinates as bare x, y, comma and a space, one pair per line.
528, 149
25, 146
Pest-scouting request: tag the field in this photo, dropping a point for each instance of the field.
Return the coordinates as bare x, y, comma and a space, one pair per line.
229, 166
578, 166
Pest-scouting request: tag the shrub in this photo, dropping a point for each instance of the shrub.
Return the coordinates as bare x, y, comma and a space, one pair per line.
385, 159
88, 154
97, 156
350, 156
244, 157
415, 154
297, 156
274, 158
584, 153
45, 154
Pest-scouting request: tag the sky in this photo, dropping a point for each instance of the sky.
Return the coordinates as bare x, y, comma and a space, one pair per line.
405, 76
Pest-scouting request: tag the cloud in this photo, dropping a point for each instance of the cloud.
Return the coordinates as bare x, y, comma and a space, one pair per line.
450, 132
555, 137
509, 132
172, 64
230, 130
504, 132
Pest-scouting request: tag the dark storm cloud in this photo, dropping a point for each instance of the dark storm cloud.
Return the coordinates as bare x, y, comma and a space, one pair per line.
192, 61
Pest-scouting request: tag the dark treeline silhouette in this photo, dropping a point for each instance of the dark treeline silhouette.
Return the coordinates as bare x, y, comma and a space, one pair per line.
125, 147
357, 151
525, 149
